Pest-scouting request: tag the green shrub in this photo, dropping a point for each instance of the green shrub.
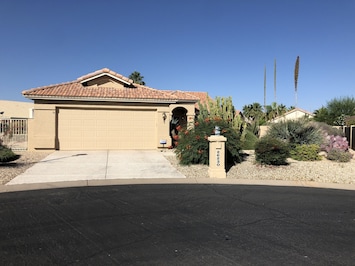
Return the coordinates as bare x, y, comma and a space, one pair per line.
192, 145
306, 153
296, 132
250, 140
329, 130
271, 151
339, 155
7, 155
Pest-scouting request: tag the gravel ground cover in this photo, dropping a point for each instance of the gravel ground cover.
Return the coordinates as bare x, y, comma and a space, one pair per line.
324, 171
320, 171
10, 170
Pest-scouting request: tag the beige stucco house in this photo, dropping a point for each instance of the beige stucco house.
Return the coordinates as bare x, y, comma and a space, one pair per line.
294, 114
13, 123
105, 110
15, 110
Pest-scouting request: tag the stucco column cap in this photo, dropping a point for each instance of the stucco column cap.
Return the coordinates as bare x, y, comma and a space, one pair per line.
217, 138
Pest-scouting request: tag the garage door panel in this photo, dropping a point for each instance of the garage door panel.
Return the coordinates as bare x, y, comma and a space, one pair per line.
106, 129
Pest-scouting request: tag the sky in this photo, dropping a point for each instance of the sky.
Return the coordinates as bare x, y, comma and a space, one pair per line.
221, 47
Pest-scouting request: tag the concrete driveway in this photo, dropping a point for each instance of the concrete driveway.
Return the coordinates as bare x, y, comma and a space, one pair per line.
63, 166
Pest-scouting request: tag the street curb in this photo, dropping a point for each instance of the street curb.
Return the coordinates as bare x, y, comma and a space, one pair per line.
163, 181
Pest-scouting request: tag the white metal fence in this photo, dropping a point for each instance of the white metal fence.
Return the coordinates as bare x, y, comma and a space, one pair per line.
13, 133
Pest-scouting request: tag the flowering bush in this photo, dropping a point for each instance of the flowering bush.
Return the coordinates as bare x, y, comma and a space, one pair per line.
192, 145
337, 148
335, 142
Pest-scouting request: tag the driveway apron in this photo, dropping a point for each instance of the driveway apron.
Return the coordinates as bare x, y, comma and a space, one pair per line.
98, 165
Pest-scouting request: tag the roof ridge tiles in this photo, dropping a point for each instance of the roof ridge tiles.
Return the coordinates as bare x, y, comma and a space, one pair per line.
103, 71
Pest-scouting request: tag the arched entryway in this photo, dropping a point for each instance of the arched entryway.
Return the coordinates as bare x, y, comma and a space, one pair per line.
179, 118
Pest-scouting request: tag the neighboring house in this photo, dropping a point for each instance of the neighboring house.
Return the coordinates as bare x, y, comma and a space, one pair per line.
294, 114
105, 110
14, 123
15, 110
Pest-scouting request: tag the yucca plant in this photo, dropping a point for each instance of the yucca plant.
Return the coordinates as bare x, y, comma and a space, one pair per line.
296, 132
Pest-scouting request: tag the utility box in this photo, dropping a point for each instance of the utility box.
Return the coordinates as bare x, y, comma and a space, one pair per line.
217, 167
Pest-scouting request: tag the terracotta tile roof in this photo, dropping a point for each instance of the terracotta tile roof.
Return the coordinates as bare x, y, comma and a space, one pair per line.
104, 71
201, 96
76, 90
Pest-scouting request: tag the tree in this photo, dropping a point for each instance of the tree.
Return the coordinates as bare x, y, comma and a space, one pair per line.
137, 78
336, 111
253, 114
272, 111
281, 109
322, 115
253, 111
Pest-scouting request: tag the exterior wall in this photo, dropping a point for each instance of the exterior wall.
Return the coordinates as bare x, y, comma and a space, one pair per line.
263, 131
30, 135
43, 128
297, 114
13, 109
163, 127
104, 82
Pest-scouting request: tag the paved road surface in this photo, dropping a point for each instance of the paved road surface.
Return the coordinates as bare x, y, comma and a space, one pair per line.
178, 225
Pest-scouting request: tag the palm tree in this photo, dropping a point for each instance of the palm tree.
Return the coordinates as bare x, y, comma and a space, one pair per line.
137, 78
281, 109
271, 111
253, 111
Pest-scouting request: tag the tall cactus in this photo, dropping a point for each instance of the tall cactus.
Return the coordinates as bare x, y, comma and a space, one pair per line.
222, 108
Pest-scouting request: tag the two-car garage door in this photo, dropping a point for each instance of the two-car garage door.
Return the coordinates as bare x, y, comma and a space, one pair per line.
97, 129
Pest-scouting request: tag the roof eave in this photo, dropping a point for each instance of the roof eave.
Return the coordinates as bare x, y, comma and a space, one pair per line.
91, 99
105, 74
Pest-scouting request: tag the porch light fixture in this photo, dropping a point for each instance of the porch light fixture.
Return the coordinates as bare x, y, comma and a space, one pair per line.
164, 116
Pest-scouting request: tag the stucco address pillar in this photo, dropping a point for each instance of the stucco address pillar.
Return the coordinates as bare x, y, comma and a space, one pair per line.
217, 156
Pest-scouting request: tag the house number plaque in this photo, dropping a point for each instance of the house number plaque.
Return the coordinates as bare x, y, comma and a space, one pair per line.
218, 157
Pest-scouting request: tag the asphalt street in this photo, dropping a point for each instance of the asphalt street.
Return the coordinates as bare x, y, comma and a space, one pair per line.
178, 225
